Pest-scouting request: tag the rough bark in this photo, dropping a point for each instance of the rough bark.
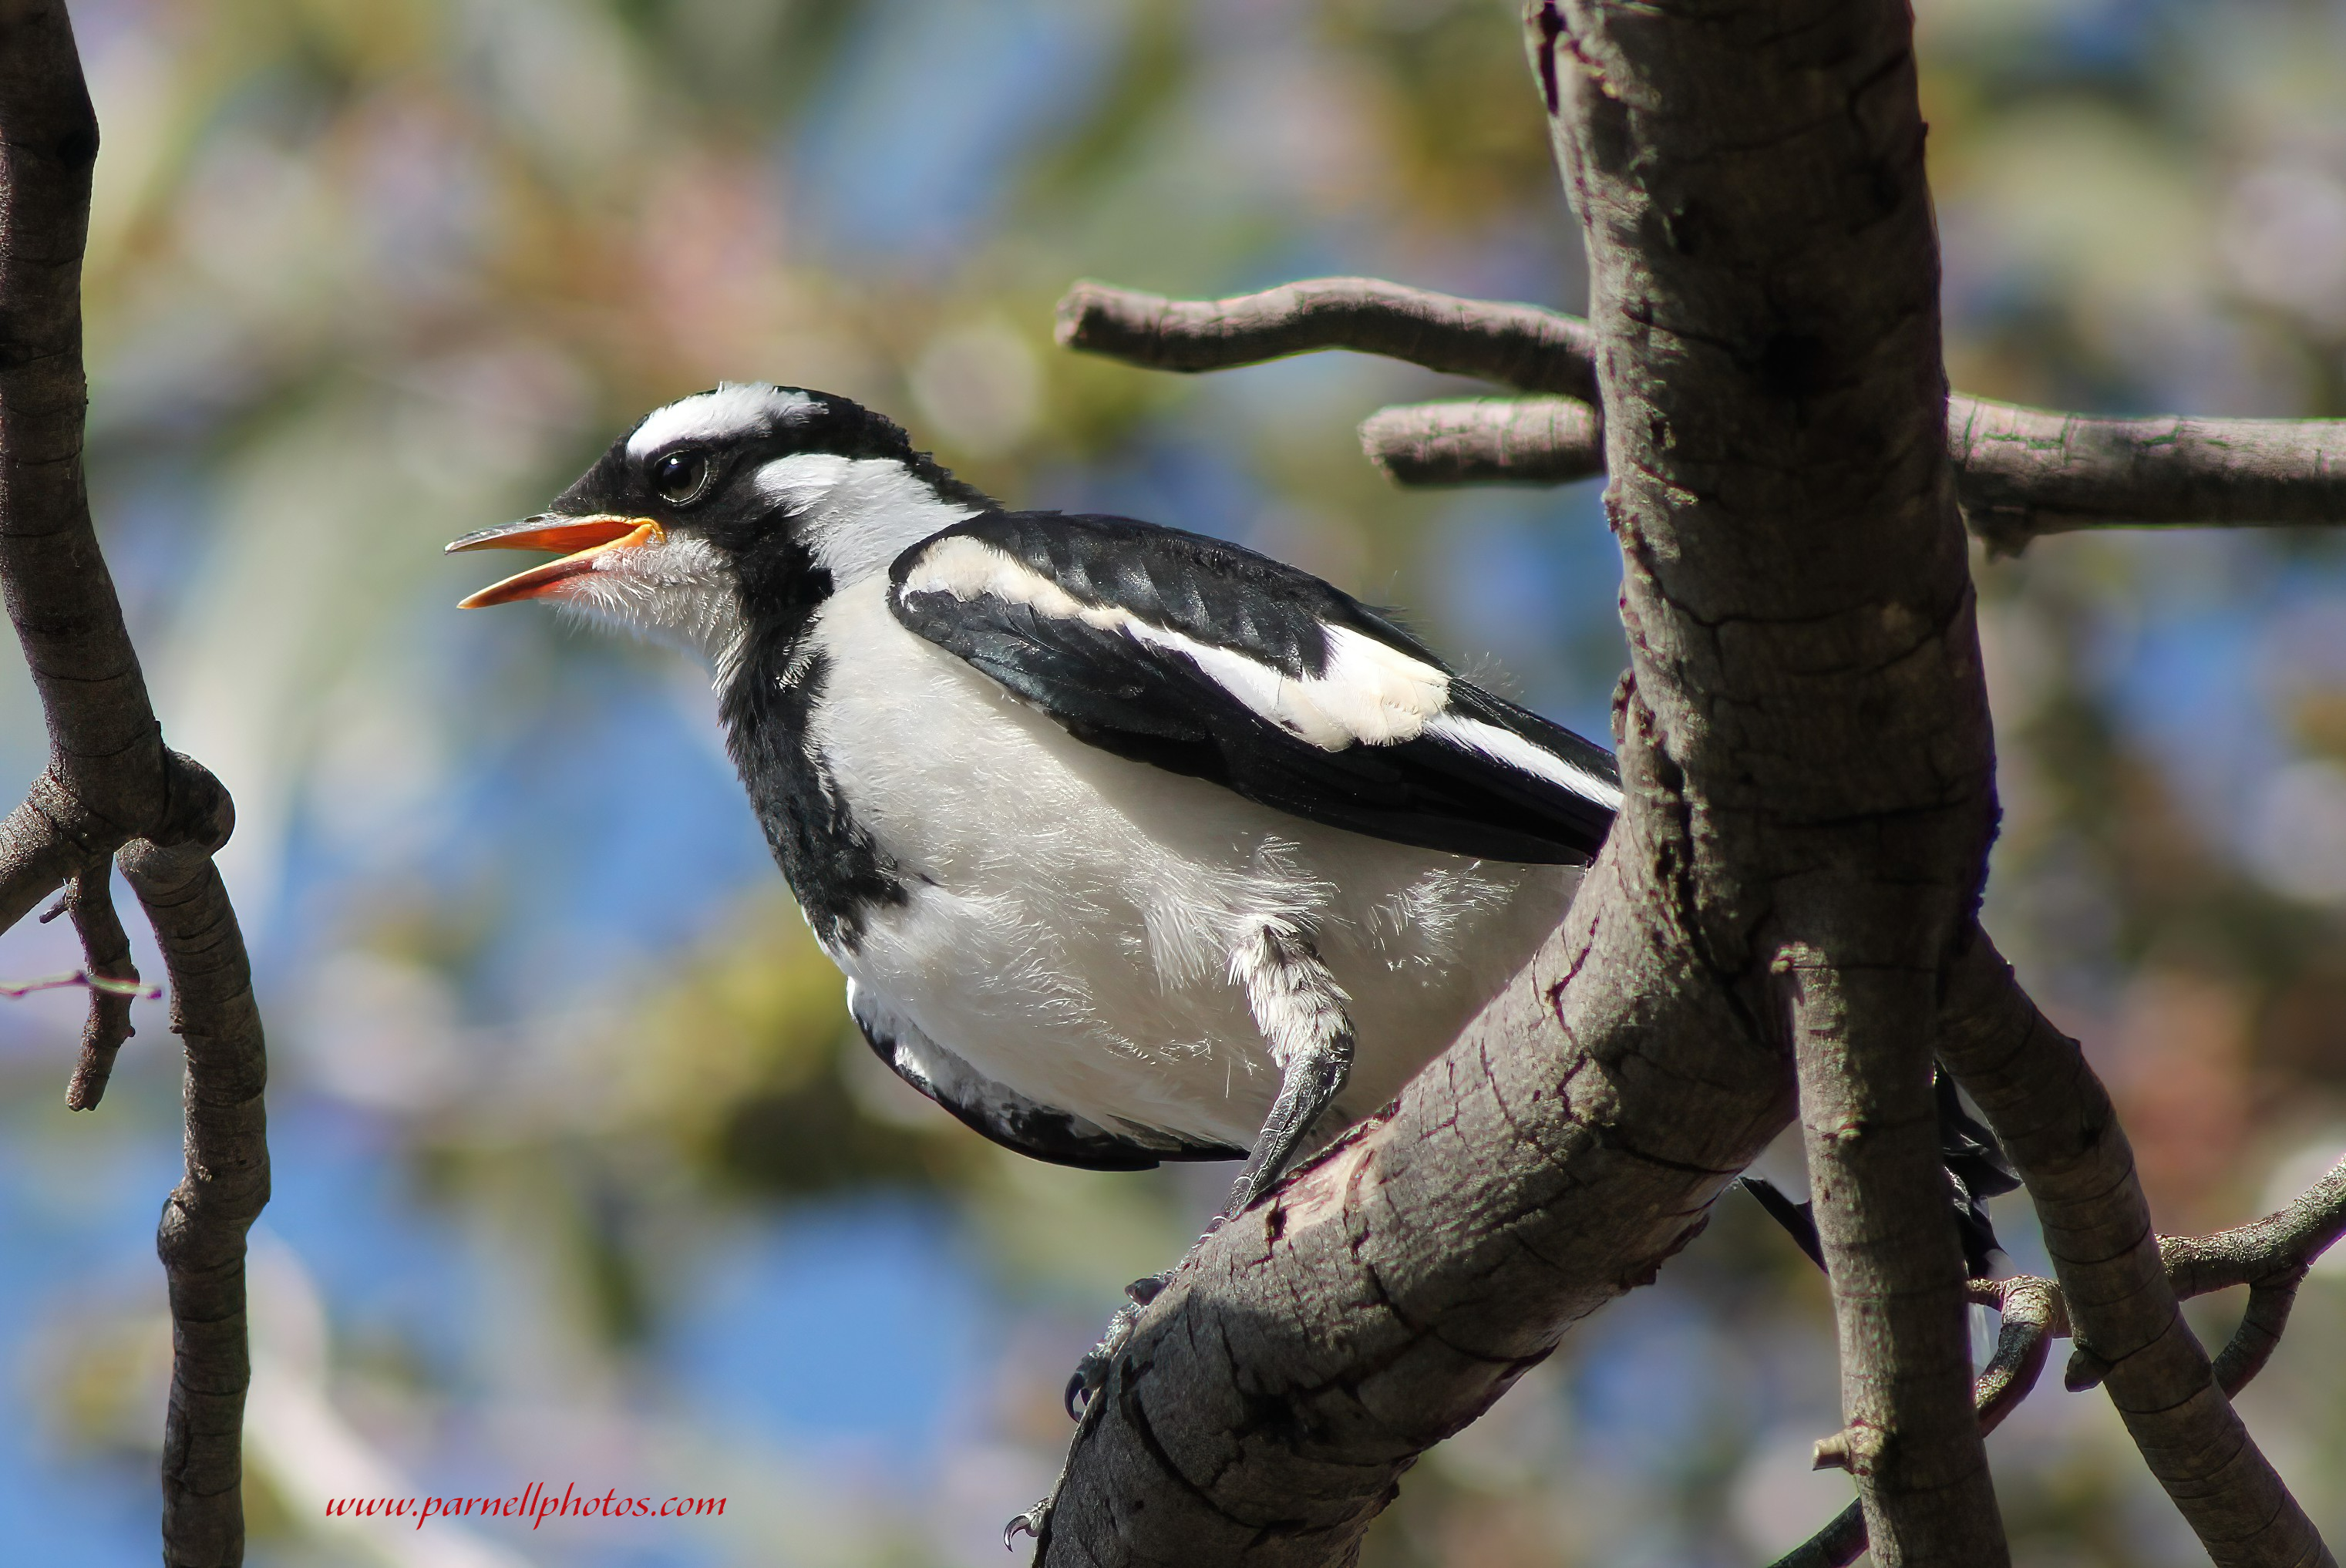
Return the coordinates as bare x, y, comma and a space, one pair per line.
112, 786
2032, 471
1798, 601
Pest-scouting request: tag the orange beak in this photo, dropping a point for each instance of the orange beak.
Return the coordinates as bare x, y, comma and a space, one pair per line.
584, 538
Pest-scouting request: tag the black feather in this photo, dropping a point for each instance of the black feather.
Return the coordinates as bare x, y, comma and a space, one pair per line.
1158, 705
1976, 1171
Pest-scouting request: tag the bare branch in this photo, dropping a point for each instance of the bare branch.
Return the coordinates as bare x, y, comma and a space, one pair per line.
1515, 345
2034, 1317
111, 785
112, 978
2030, 471
82, 979
1487, 441
2056, 1123
201, 1239
2022, 472
2270, 1255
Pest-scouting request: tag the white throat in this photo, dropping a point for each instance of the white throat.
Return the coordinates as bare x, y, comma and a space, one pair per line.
677, 593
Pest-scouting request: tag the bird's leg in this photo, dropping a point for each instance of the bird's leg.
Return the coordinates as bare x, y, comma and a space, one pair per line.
1299, 1009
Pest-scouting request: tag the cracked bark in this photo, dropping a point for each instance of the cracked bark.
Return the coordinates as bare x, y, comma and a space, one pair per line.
112, 790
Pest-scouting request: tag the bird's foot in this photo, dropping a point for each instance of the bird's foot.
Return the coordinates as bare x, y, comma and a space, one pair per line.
1033, 1523
1091, 1372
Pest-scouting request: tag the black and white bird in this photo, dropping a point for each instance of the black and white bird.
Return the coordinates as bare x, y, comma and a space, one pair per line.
1133, 845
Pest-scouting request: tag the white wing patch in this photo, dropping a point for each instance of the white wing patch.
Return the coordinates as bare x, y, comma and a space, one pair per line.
735, 407
1370, 694
1505, 746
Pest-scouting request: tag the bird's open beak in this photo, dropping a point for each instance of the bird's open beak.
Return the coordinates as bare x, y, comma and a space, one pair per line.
582, 540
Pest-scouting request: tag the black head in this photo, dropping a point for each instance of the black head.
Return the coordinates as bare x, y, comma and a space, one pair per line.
728, 507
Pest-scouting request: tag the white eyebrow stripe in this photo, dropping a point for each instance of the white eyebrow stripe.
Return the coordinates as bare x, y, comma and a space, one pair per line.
735, 407
1506, 747
1369, 694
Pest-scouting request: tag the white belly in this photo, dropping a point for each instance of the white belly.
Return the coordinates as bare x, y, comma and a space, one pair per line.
1072, 913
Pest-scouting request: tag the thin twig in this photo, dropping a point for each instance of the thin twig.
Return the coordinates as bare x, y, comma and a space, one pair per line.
112, 978
100, 984
2020, 472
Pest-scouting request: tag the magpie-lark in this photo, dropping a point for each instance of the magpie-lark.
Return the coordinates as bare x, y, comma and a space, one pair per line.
1133, 845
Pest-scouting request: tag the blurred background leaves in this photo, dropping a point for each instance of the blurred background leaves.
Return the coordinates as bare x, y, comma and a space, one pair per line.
581, 1176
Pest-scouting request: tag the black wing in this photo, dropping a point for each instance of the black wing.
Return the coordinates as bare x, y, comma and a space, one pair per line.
1007, 1117
1204, 658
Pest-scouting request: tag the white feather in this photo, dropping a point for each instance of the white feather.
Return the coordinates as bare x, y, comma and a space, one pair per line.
1505, 746
678, 592
734, 409
1370, 693
1074, 919
857, 515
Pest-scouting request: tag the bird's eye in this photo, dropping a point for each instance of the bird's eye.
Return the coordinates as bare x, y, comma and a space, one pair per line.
681, 477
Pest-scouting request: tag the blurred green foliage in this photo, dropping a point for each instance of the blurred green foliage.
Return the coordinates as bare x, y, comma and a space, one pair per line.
557, 1060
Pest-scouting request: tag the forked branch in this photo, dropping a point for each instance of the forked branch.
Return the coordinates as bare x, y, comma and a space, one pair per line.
2033, 1317
2270, 1255
2055, 1121
111, 787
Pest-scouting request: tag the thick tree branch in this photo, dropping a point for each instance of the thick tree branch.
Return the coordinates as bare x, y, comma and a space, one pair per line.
111, 785
1764, 289
1804, 745
2056, 1123
1515, 345
2020, 472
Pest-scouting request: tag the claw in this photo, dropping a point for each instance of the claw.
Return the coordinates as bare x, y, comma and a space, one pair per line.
1078, 1387
1030, 1523
1141, 1292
